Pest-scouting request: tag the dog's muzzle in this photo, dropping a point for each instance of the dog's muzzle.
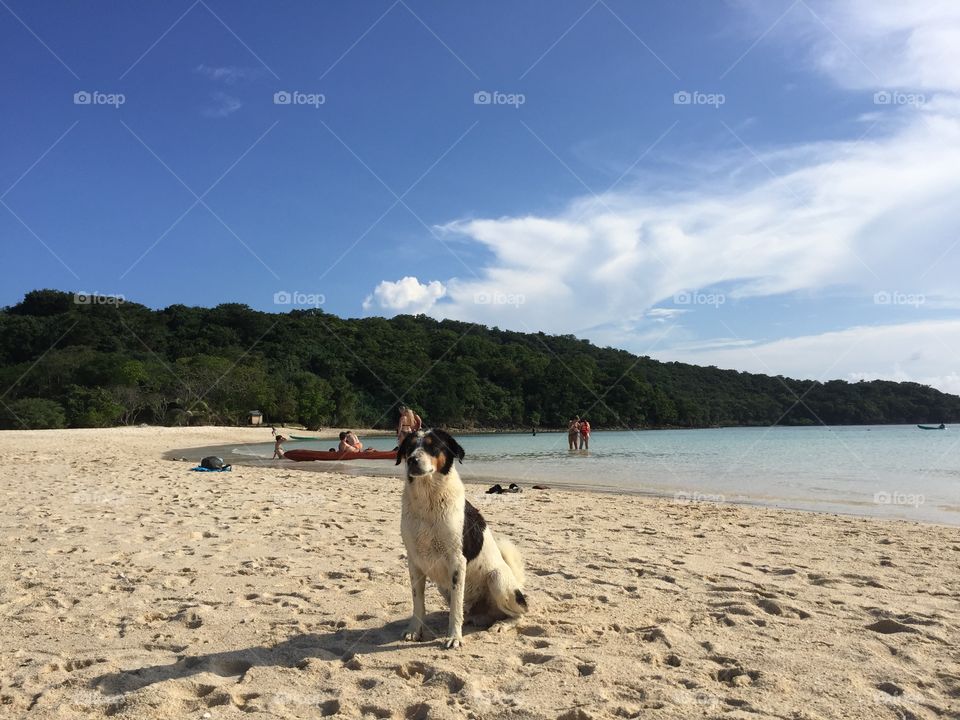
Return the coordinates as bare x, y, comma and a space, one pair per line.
416, 469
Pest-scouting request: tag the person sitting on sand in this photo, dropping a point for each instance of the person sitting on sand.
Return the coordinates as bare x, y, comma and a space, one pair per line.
584, 434
278, 441
409, 422
573, 432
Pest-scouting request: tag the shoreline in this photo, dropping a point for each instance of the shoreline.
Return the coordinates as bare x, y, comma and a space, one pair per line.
679, 496
132, 587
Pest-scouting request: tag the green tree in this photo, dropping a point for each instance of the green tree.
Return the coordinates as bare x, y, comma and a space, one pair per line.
32, 413
315, 403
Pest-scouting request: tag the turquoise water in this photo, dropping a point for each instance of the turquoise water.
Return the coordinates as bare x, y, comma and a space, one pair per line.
886, 471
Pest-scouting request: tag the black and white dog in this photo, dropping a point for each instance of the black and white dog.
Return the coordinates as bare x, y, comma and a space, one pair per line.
448, 541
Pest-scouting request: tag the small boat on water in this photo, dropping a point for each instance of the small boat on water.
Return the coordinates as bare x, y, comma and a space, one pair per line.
305, 455
941, 426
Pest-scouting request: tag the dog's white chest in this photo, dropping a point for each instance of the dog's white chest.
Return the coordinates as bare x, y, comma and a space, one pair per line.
433, 539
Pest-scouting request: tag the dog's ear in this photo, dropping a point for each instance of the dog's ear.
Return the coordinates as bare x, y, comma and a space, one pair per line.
404, 448
452, 446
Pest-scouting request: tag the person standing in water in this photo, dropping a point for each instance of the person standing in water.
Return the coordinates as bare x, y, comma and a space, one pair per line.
584, 434
573, 432
409, 422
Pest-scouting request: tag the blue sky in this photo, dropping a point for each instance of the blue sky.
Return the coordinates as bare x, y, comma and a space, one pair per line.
768, 186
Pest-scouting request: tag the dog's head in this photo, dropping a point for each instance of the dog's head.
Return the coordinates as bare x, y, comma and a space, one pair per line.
428, 452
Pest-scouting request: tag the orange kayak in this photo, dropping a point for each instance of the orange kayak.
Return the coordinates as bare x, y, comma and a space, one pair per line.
304, 455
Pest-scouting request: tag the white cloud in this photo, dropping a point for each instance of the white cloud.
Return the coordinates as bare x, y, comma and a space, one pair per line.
665, 313
229, 74
407, 295
836, 214
875, 213
877, 43
924, 352
222, 106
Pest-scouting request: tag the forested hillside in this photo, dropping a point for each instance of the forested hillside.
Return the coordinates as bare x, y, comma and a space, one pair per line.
98, 364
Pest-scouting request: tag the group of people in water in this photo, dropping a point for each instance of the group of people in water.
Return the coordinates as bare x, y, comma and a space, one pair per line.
578, 434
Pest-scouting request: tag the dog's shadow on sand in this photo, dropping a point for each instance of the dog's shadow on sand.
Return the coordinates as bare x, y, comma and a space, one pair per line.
338, 646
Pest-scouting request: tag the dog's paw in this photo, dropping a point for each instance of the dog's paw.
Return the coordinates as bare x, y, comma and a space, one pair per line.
502, 626
452, 642
413, 634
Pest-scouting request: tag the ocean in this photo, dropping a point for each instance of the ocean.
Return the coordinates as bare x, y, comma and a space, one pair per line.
892, 471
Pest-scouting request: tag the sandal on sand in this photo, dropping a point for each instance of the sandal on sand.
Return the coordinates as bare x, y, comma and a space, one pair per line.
495, 490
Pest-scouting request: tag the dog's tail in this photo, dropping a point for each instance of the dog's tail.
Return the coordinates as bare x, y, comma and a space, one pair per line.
511, 556
506, 582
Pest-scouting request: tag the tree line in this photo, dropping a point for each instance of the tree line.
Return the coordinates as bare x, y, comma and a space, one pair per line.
66, 363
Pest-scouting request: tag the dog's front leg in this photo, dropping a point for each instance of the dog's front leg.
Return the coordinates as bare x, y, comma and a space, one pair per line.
458, 582
418, 583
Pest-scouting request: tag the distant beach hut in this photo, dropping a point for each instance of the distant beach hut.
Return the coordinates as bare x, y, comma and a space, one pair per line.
255, 417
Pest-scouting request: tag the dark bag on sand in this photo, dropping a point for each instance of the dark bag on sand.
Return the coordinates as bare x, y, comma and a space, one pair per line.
212, 462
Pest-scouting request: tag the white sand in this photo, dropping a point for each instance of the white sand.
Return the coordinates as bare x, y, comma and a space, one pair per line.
131, 587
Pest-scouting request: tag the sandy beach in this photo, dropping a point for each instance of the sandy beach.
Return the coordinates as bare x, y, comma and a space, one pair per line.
134, 588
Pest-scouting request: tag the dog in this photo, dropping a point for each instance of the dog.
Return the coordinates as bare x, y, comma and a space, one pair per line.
448, 541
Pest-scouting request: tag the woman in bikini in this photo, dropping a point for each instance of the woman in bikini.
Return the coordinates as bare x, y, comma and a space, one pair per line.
409, 422
584, 434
